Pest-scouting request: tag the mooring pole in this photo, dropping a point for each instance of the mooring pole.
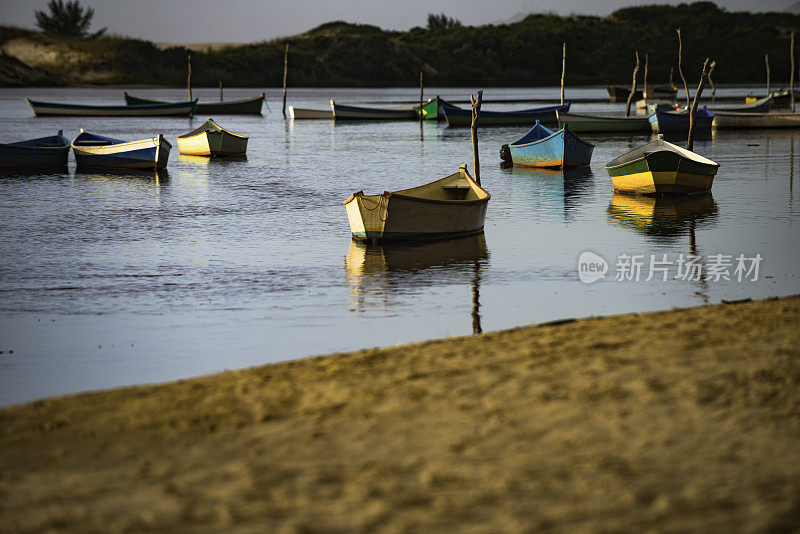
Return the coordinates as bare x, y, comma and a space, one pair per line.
220, 91
690, 139
766, 63
791, 58
563, 70
476, 112
713, 87
421, 115
644, 85
285, 70
680, 68
633, 87
189, 74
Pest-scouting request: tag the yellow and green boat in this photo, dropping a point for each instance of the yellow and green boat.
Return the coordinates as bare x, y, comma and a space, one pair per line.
212, 140
661, 168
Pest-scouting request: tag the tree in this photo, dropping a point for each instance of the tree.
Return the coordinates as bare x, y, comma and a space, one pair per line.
442, 22
67, 19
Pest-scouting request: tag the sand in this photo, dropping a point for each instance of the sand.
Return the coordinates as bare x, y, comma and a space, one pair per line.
684, 420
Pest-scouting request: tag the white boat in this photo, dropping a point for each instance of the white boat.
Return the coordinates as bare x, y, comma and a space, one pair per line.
452, 206
305, 113
93, 150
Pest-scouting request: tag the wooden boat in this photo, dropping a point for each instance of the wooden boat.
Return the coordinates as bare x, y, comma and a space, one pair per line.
452, 206
93, 150
661, 91
723, 120
41, 153
677, 122
247, 106
604, 123
761, 105
659, 167
620, 94
431, 110
211, 139
42, 109
342, 112
541, 147
304, 113
460, 117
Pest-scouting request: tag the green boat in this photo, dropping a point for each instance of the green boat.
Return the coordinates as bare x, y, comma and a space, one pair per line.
603, 123
432, 109
249, 106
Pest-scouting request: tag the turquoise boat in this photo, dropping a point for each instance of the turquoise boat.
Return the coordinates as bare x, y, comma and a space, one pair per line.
541, 147
248, 106
41, 153
93, 150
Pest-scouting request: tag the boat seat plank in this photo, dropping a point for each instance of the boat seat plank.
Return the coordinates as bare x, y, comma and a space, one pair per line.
463, 184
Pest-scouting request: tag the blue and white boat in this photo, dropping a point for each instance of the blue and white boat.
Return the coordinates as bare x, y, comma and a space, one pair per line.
541, 147
42, 153
677, 122
93, 150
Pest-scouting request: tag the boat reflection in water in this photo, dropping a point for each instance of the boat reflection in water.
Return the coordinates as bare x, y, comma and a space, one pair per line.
573, 184
664, 218
160, 177
205, 161
377, 274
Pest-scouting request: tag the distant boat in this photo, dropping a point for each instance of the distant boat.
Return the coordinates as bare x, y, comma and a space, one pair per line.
41, 153
541, 147
677, 122
459, 117
620, 94
247, 106
211, 139
762, 105
83, 110
304, 113
93, 150
432, 109
604, 123
727, 120
452, 206
659, 167
341, 112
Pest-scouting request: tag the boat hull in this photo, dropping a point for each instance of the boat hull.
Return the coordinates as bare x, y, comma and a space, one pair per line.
342, 112
459, 117
678, 123
313, 114
150, 153
723, 120
212, 140
761, 105
603, 124
562, 149
249, 106
662, 173
43, 153
458, 210
52, 109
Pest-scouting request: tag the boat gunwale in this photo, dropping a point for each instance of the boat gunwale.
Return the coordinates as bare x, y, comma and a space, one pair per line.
399, 194
198, 131
156, 140
563, 131
682, 152
243, 101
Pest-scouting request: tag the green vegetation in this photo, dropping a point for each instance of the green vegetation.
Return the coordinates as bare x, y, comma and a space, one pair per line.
526, 53
66, 19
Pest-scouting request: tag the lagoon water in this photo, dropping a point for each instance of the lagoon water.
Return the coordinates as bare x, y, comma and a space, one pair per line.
115, 279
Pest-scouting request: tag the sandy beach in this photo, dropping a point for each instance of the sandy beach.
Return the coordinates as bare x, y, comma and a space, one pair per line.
683, 420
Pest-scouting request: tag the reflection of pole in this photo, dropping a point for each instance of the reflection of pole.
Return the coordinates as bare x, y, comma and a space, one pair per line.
692, 242
791, 169
476, 305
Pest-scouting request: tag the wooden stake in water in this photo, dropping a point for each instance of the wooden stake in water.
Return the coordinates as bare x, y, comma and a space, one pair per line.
633, 86
421, 115
189, 74
713, 87
285, 70
644, 85
766, 63
680, 68
476, 112
690, 139
791, 58
563, 70
220, 91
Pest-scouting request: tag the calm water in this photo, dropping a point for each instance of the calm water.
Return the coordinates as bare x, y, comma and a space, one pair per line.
107, 280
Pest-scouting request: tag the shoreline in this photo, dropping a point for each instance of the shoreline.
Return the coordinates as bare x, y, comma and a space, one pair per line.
684, 419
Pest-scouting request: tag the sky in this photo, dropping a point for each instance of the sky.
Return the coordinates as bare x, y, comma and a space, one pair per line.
243, 21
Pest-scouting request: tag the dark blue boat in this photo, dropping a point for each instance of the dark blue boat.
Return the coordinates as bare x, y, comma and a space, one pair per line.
93, 150
457, 116
677, 122
41, 153
541, 147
